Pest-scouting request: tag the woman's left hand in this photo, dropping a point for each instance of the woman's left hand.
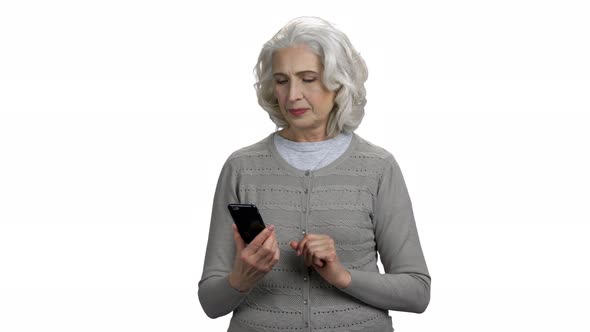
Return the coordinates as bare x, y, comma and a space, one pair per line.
319, 251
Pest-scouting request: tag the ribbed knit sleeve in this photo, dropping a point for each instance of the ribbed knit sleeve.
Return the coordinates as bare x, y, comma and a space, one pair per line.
216, 295
405, 286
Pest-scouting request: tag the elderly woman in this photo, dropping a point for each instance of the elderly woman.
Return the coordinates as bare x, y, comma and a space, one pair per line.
330, 199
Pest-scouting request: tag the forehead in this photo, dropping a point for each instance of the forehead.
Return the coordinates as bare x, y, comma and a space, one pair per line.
295, 59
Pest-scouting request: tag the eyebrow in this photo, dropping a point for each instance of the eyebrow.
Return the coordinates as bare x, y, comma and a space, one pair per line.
299, 73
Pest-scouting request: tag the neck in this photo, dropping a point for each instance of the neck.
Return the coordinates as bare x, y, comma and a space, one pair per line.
304, 136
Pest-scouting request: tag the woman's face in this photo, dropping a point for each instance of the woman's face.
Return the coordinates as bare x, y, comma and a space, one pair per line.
303, 99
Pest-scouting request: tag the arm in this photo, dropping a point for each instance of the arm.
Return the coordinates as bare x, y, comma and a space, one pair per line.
405, 286
216, 295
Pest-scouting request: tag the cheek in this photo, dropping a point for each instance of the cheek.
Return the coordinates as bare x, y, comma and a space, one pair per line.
279, 95
319, 98
318, 94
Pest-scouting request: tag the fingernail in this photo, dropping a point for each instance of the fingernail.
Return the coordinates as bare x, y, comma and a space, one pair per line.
271, 227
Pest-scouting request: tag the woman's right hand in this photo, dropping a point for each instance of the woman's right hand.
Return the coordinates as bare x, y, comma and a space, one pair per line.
255, 260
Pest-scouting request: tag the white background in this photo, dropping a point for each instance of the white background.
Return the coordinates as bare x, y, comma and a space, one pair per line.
116, 117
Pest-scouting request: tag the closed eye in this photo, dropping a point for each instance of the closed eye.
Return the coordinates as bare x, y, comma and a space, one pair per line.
308, 80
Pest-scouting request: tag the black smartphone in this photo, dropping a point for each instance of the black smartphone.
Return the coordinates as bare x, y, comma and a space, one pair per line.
247, 219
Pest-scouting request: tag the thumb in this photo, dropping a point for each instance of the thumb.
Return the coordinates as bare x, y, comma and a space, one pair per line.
240, 244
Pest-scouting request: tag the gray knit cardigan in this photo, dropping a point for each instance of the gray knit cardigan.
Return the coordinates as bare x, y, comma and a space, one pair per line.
360, 200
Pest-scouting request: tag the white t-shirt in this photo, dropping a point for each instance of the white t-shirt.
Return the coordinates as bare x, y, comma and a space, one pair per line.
312, 155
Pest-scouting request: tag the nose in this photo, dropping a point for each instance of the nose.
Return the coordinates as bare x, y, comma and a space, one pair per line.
294, 91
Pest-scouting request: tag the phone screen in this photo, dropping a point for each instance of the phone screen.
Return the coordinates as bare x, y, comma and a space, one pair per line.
247, 219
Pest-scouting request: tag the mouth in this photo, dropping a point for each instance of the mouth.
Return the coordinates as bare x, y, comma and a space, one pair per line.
298, 111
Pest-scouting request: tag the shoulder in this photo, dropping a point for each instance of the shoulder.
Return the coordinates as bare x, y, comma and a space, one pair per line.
380, 156
250, 153
383, 164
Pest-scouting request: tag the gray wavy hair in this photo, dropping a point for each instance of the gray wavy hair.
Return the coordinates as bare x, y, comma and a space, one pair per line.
345, 71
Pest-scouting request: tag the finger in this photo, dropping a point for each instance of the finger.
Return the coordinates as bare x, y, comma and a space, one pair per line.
318, 262
325, 256
272, 239
240, 244
330, 257
313, 245
277, 254
294, 244
260, 238
307, 247
275, 246
319, 247
274, 258
319, 252
302, 244
322, 247
308, 252
266, 252
306, 261
301, 247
